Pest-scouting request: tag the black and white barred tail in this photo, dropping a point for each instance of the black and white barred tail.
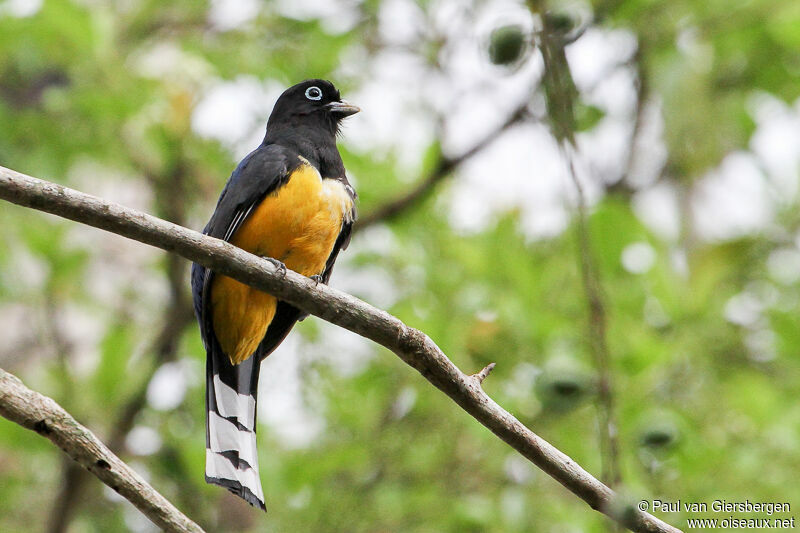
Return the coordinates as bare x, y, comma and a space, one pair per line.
231, 453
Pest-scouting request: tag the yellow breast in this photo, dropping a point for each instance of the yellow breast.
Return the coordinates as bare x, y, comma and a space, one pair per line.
297, 224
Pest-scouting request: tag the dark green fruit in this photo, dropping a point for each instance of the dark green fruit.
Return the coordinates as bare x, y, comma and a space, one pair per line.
506, 45
566, 388
562, 390
559, 22
659, 436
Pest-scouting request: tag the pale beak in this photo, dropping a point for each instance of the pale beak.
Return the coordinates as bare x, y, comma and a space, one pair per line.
345, 109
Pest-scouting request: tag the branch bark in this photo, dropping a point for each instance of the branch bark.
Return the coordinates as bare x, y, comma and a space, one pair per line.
44, 416
411, 345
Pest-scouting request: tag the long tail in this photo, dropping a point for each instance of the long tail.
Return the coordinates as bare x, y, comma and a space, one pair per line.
231, 455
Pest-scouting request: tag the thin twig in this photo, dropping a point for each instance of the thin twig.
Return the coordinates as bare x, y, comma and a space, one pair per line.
597, 335
41, 414
444, 167
411, 345
483, 374
561, 94
624, 185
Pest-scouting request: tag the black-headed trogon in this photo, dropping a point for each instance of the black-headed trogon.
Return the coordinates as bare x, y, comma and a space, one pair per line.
288, 200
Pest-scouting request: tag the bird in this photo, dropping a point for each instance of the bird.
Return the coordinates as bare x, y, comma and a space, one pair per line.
290, 202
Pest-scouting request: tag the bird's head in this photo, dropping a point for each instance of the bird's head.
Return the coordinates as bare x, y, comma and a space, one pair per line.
311, 103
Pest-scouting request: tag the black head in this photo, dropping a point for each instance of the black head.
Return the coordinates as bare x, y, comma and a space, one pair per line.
306, 119
310, 104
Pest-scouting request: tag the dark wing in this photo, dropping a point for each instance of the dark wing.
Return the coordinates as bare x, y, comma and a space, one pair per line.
260, 173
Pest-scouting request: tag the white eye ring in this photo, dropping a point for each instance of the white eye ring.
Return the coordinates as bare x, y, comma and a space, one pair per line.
314, 93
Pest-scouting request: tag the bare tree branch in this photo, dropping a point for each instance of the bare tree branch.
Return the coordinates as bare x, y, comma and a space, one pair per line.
411, 345
444, 167
44, 416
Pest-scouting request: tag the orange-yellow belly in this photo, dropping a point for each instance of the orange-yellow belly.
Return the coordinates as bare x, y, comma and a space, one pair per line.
297, 224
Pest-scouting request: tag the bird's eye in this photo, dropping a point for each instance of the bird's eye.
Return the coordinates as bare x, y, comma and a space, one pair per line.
314, 93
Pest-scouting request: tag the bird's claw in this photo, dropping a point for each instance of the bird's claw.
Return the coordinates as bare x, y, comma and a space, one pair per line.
278, 264
316, 278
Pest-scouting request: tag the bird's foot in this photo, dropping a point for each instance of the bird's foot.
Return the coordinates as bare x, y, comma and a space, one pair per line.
278, 264
316, 278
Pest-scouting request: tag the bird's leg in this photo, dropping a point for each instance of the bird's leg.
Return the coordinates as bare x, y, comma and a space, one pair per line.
278, 264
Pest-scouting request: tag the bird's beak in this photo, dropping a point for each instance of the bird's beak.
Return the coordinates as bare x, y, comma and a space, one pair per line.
345, 109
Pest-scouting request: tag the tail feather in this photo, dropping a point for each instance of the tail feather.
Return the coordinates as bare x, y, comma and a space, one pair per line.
243, 481
231, 454
234, 405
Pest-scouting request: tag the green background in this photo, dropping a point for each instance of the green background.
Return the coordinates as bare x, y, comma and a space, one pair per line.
704, 336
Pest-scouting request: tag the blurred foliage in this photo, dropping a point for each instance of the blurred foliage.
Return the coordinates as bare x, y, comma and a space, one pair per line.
101, 95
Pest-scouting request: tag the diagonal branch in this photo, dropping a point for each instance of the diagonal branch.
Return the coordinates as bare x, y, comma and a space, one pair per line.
164, 349
41, 414
411, 345
443, 168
